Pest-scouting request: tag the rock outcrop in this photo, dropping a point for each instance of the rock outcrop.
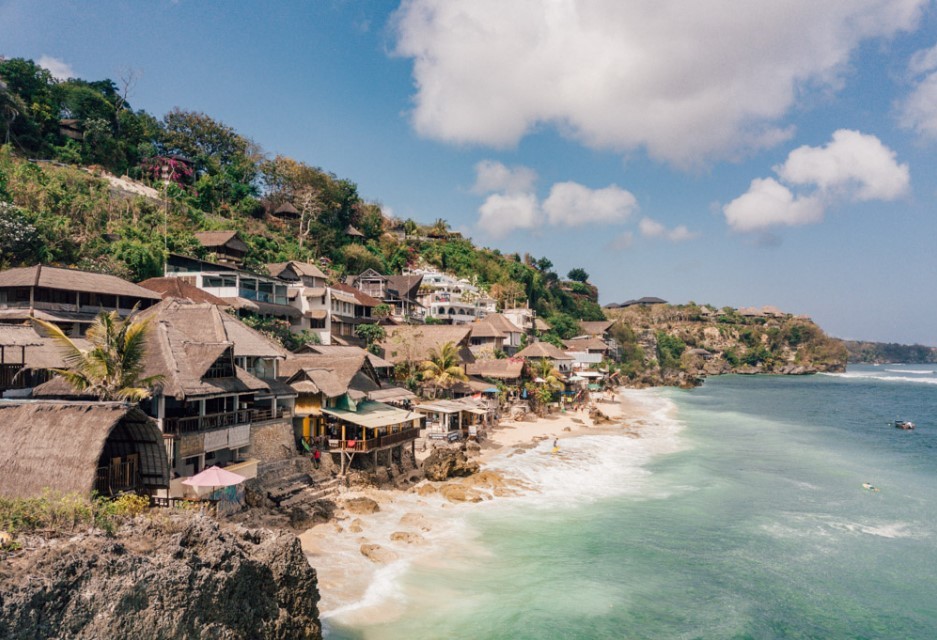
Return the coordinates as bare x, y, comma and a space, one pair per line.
182, 576
445, 463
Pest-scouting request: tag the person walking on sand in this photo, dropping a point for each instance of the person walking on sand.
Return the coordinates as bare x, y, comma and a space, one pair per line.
316, 454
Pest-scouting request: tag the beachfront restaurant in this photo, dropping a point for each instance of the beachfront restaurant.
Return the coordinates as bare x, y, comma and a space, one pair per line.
365, 427
451, 419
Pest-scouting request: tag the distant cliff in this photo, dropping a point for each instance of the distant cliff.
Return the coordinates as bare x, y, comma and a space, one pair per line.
681, 344
889, 352
180, 576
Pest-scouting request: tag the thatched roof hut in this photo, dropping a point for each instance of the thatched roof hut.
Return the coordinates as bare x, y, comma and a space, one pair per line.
78, 447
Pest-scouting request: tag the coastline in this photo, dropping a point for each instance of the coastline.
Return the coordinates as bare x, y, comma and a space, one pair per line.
377, 534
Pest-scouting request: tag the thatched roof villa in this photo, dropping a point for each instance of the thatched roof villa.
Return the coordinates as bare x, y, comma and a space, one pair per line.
78, 447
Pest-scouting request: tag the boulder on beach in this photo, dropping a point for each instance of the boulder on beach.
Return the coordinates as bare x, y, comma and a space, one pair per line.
407, 537
445, 463
356, 526
426, 489
461, 493
361, 505
377, 553
415, 520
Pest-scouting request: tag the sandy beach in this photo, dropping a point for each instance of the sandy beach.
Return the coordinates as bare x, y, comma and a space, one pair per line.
376, 533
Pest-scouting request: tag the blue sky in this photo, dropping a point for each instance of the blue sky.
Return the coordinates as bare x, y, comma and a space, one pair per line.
733, 153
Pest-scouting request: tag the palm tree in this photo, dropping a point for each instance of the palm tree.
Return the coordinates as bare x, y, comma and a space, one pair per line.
545, 370
443, 367
111, 368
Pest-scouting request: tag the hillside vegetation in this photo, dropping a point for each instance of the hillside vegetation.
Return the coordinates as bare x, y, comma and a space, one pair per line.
60, 204
680, 344
889, 352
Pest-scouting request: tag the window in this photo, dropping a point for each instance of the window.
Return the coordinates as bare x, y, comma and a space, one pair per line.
223, 367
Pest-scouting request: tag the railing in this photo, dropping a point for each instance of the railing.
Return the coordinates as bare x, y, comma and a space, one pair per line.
269, 414
374, 443
117, 477
192, 424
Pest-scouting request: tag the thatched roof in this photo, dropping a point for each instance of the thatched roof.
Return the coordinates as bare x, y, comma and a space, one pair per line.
414, 342
595, 328
19, 335
541, 350
40, 352
58, 445
501, 323
179, 288
186, 338
541, 324
332, 376
482, 329
585, 344
227, 239
286, 210
504, 369
72, 280
298, 269
336, 350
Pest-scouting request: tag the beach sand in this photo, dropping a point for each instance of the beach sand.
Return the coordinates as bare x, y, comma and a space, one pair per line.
358, 555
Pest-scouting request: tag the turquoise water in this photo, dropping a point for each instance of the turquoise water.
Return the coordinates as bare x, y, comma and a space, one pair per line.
740, 515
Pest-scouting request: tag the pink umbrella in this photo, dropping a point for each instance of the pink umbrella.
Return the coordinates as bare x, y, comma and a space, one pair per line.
214, 477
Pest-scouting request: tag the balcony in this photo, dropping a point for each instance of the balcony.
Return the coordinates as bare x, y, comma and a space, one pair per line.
372, 444
194, 424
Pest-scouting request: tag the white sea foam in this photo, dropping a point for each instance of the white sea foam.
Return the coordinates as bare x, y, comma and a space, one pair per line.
922, 372
589, 467
873, 376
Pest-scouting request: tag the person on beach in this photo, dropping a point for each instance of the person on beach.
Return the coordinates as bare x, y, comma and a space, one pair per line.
316, 455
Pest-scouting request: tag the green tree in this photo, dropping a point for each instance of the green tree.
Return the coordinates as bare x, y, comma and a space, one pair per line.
111, 368
669, 350
578, 275
443, 368
371, 334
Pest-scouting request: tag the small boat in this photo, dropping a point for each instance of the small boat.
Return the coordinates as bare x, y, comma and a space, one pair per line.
907, 425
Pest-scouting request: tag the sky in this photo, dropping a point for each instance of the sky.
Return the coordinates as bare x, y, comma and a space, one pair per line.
775, 152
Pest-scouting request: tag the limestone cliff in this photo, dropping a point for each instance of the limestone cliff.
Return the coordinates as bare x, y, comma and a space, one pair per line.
680, 344
180, 576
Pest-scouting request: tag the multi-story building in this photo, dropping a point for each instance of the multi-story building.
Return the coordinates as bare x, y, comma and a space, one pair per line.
245, 291
309, 293
67, 297
452, 300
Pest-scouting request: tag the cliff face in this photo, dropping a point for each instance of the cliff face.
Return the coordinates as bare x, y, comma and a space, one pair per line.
184, 576
681, 344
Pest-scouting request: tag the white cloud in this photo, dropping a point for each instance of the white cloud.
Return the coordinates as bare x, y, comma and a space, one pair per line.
685, 80
853, 164
573, 204
501, 214
768, 203
918, 112
59, 69
650, 228
494, 177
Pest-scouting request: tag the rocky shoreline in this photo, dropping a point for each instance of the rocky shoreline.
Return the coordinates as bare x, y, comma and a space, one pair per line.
183, 575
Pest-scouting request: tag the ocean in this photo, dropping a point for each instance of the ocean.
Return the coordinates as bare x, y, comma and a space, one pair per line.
740, 512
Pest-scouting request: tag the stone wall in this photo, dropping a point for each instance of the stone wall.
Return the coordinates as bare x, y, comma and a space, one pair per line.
272, 441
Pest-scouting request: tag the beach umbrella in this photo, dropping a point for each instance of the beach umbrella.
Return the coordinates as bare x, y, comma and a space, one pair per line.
214, 477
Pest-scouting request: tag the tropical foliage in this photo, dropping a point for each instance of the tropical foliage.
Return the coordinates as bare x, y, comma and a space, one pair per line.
443, 368
111, 368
